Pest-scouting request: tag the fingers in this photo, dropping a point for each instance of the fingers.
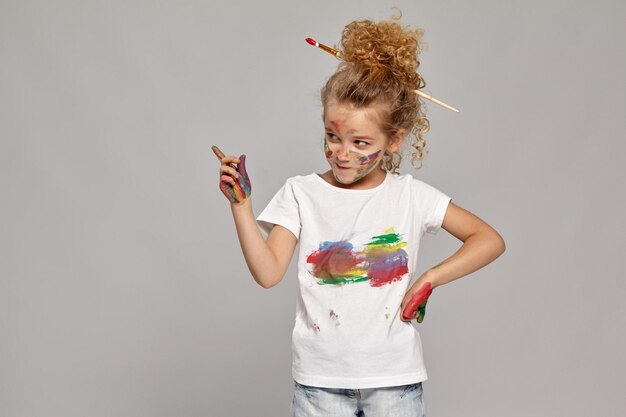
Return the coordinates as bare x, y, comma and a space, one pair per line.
244, 180
228, 170
223, 158
230, 160
421, 312
241, 165
228, 180
229, 192
417, 301
232, 189
228, 164
234, 181
217, 152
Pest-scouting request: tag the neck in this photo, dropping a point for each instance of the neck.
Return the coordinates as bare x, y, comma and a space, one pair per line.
371, 180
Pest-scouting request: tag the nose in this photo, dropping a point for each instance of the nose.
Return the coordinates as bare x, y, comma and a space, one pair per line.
343, 154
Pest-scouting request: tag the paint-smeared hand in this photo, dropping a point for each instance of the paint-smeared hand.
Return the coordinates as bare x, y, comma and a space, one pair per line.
414, 305
234, 180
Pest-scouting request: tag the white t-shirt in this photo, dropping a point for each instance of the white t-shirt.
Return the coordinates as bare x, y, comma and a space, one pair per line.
358, 251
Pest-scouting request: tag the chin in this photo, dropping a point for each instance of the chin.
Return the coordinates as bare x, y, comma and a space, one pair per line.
347, 181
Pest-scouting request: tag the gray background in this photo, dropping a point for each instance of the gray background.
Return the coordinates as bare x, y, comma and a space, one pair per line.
123, 291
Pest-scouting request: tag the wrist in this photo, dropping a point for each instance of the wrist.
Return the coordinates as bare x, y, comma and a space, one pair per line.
430, 276
241, 205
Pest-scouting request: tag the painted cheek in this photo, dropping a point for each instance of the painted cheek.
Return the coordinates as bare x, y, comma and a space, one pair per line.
368, 166
359, 157
368, 161
371, 158
327, 150
362, 159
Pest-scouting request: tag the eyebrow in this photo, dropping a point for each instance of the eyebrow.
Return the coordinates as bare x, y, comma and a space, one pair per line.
363, 137
350, 132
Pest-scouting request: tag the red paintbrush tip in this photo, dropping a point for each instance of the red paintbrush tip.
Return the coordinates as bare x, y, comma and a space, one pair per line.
323, 47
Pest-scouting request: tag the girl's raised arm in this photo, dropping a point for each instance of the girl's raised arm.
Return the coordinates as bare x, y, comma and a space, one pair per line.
266, 260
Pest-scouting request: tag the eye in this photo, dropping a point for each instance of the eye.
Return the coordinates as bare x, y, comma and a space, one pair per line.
331, 136
361, 143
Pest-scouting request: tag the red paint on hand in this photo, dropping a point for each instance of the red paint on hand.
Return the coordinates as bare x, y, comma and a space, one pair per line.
417, 303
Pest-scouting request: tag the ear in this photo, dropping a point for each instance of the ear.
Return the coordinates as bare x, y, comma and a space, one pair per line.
396, 140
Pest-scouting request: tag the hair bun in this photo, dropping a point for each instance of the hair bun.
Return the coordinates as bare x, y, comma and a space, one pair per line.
382, 49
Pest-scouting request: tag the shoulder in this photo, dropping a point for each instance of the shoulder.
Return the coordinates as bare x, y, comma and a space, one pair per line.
297, 186
297, 179
408, 180
420, 185
425, 194
301, 181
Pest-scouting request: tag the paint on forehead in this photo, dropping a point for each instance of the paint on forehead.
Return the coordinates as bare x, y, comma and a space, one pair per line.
337, 123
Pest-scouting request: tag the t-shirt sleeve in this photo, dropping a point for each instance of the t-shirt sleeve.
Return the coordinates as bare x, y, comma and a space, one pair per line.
433, 204
283, 210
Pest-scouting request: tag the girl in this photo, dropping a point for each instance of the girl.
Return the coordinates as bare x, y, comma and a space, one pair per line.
359, 226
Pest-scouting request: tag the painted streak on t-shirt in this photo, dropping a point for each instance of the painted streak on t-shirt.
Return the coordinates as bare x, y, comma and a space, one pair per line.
381, 261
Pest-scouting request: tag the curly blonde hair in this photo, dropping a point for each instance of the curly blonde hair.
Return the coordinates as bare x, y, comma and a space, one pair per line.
379, 67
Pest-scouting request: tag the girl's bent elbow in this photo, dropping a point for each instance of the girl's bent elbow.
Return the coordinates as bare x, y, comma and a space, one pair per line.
500, 244
268, 284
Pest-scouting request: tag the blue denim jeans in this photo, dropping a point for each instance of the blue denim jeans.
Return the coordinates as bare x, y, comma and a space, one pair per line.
400, 401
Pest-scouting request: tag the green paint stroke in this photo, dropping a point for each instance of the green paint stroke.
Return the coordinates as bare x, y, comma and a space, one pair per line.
388, 239
421, 312
343, 280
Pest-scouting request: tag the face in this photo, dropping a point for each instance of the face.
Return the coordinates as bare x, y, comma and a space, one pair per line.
354, 143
